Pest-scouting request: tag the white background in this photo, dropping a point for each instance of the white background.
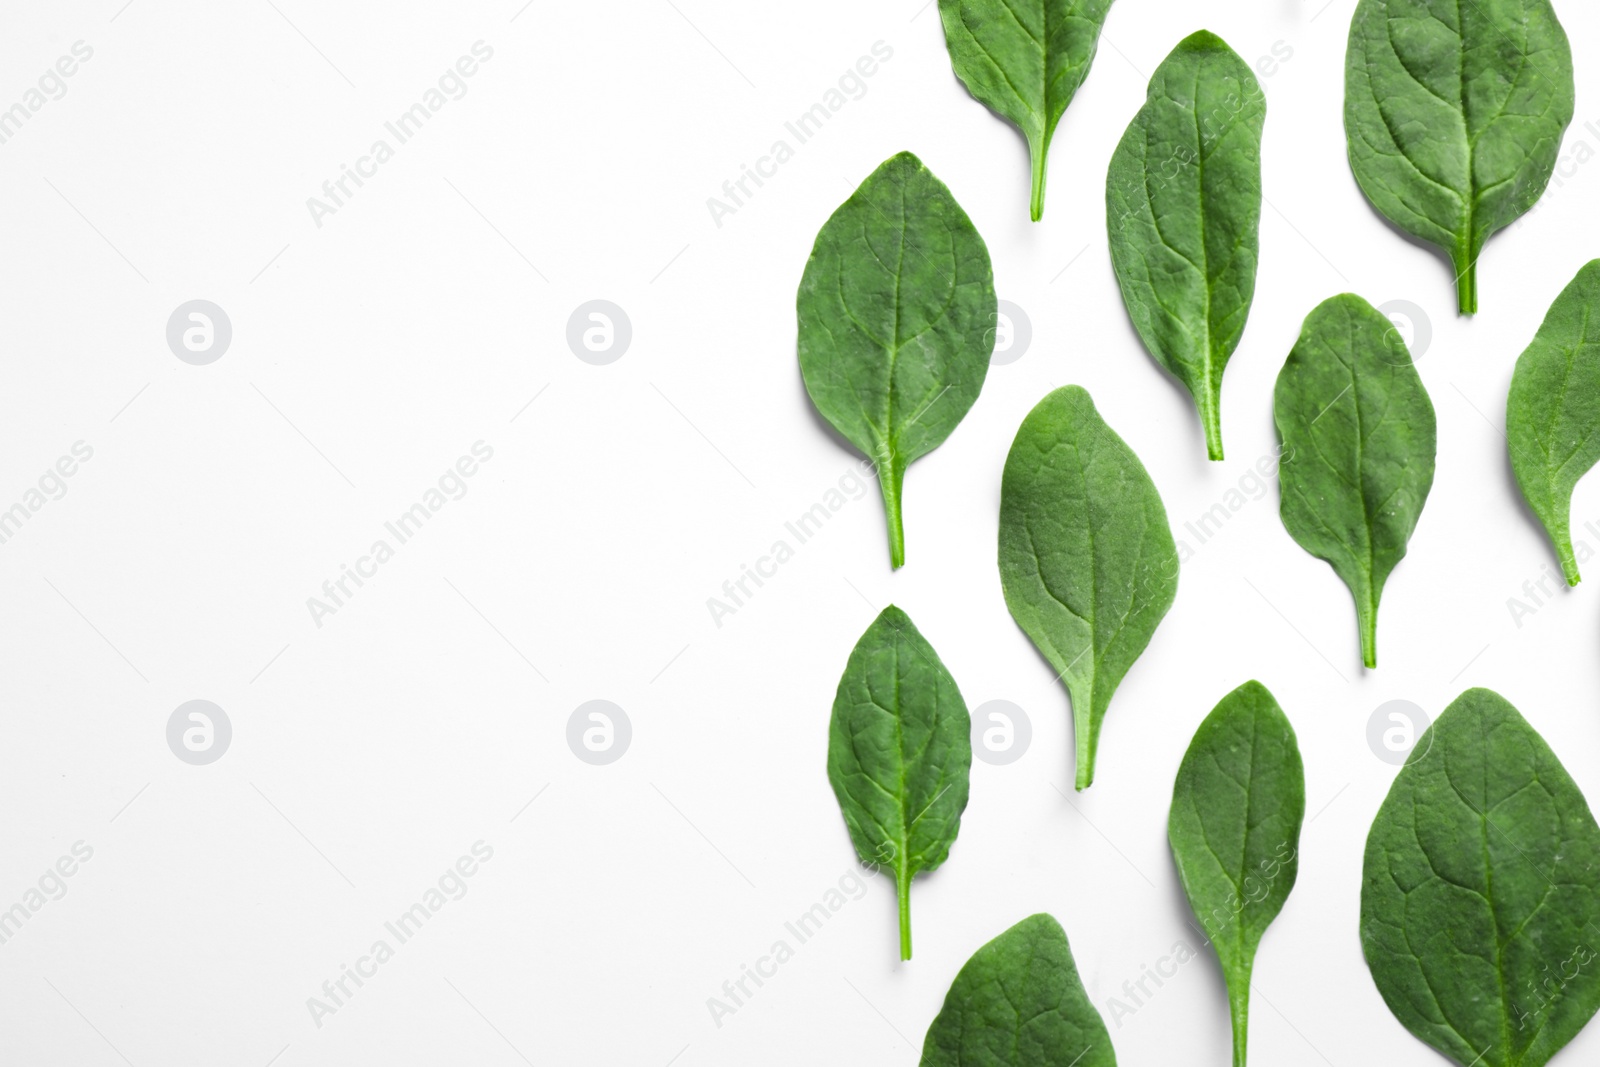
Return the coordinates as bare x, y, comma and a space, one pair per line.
372, 351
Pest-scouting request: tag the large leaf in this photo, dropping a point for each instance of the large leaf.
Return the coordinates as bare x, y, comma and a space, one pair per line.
1024, 60
899, 752
1480, 898
1018, 1002
1235, 832
1553, 412
1454, 111
1087, 560
897, 312
1183, 205
1358, 449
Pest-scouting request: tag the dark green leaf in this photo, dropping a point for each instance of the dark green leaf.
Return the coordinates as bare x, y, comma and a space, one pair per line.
1454, 113
1235, 832
899, 751
1358, 449
1553, 412
1086, 556
1018, 1002
1480, 899
1183, 205
897, 312
1024, 60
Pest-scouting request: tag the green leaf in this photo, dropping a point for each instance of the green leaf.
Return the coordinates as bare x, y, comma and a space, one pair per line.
1235, 832
897, 313
1553, 412
1018, 1002
899, 752
1183, 207
1480, 898
1358, 449
1454, 114
1024, 60
1086, 556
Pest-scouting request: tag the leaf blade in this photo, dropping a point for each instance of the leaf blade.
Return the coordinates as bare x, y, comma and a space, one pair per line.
1024, 61
1453, 125
1359, 442
1018, 1002
899, 754
1087, 560
1553, 410
1247, 745
1183, 211
894, 356
1480, 875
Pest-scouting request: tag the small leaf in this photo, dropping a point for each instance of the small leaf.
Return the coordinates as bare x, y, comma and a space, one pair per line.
1480, 898
1087, 560
1553, 412
1024, 60
899, 752
1358, 437
1183, 207
1454, 114
1235, 832
897, 313
1018, 1002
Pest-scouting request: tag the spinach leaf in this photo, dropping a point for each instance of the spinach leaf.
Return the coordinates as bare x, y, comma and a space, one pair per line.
1018, 1002
1235, 832
1087, 560
1480, 897
899, 752
897, 312
1358, 449
1454, 114
1024, 60
1183, 206
1553, 412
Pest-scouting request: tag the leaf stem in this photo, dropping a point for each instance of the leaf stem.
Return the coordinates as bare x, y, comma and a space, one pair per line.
1239, 1011
1367, 618
892, 478
1213, 423
1467, 287
1082, 734
902, 878
1038, 152
1562, 535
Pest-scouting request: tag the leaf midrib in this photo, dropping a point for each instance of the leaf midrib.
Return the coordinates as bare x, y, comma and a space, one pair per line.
1369, 595
1244, 847
894, 334
1488, 886
1359, 485
1210, 401
904, 866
